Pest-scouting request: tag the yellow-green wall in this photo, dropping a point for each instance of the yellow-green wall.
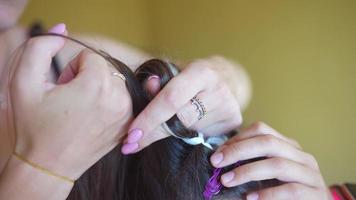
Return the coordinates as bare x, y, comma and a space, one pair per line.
124, 19
301, 56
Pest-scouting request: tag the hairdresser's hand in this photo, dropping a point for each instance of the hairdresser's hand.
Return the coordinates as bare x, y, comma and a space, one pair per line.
204, 79
66, 128
285, 161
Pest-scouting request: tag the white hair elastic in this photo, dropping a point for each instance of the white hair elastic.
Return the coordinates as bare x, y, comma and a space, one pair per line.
216, 140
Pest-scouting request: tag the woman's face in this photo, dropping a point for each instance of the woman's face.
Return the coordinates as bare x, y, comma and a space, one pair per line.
10, 11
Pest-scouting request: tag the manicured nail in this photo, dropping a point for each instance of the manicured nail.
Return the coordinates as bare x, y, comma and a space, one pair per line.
134, 136
153, 77
129, 148
217, 158
252, 196
59, 29
228, 177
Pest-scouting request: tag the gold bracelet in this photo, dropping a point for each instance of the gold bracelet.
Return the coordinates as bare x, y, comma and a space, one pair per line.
42, 169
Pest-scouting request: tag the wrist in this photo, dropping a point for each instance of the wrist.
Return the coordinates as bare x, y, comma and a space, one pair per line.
44, 160
42, 169
21, 181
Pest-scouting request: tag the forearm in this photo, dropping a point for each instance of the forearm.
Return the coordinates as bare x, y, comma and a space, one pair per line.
20, 181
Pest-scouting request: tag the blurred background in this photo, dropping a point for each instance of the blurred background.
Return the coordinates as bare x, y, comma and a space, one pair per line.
300, 54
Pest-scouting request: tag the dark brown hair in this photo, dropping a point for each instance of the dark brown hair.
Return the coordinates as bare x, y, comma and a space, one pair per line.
168, 169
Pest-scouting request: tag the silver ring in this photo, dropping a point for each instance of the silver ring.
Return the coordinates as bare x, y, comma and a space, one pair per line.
117, 74
199, 107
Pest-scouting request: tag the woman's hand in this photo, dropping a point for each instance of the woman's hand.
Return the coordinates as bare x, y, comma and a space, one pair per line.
66, 128
203, 79
285, 161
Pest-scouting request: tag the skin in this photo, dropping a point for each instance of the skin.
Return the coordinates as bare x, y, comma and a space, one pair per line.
201, 78
40, 109
37, 122
36, 141
286, 161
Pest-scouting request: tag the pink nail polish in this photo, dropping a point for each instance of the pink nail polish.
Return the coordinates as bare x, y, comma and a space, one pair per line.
217, 158
252, 196
59, 29
228, 177
129, 148
134, 136
153, 77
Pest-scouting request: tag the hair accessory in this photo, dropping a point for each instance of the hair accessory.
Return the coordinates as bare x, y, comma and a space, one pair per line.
192, 141
199, 107
42, 169
214, 186
217, 140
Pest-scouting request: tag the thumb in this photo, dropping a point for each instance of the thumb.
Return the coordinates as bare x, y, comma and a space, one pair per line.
30, 76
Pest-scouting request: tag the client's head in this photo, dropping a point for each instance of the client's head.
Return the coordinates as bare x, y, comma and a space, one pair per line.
167, 169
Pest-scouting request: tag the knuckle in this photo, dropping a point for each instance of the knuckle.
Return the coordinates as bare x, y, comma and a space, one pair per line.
268, 140
224, 90
122, 108
170, 98
233, 150
244, 172
259, 126
205, 69
294, 190
279, 164
295, 142
211, 74
312, 160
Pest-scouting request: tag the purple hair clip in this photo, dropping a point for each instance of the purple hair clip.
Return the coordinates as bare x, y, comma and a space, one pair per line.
214, 186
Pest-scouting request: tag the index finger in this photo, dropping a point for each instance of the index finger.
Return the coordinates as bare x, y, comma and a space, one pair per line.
166, 104
35, 62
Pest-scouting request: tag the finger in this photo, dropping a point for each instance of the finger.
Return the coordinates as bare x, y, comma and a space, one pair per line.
30, 78
218, 110
261, 146
273, 168
286, 191
261, 128
169, 100
152, 85
131, 145
224, 127
89, 69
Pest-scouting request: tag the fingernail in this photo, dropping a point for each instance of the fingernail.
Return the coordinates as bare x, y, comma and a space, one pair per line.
129, 148
217, 158
153, 77
227, 177
252, 196
59, 29
134, 136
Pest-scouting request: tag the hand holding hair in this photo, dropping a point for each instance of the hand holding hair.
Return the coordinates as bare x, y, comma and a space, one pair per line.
64, 129
199, 96
285, 161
